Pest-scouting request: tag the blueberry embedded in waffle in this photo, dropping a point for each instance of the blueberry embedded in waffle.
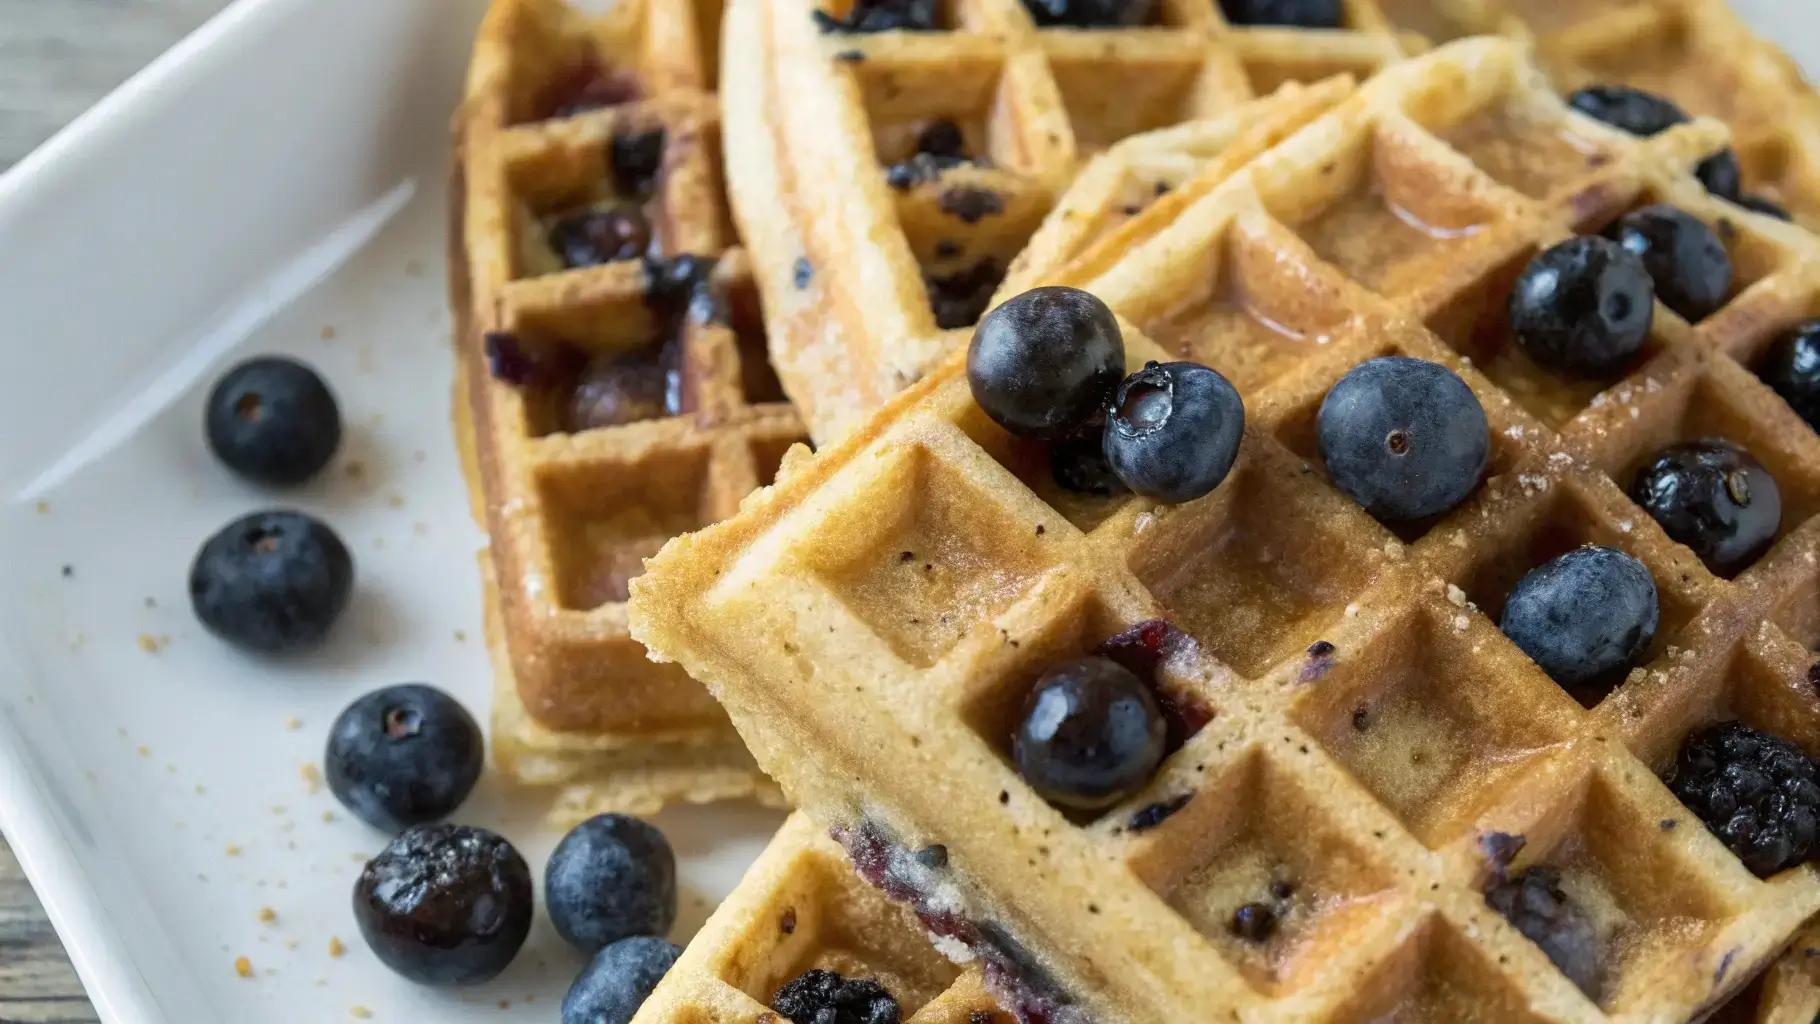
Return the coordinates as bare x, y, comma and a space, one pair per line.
613, 386
1355, 754
800, 909
884, 180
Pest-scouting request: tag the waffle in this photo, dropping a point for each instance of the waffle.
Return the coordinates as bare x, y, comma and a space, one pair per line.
571, 508
873, 621
867, 286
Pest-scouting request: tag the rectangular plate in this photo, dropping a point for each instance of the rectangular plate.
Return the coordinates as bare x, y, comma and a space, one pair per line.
273, 184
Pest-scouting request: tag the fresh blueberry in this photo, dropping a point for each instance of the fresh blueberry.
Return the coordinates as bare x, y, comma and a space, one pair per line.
1089, 13
1684, 257
1174, 431
1044, 364
618, 981
1079, 465
445, 904
1712, 496
1632, 110
1722, 175
1764, 205
272, 582
1092, 734
591, 237
1583, 307
636, 158
402, 756
273, 421
610, 878
1287, 13
1407, 439
1792, 368
1584, 617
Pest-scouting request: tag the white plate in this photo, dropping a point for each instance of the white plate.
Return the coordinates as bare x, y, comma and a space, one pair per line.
274, 184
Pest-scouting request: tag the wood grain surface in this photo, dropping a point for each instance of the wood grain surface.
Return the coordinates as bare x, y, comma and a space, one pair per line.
57, 57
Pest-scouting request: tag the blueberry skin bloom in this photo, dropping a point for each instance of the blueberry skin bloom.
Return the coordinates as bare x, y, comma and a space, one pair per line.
1044, 364
1092, 734
1174, 431
402, 756
1584, 617
618, 981
612, 877
1405, 438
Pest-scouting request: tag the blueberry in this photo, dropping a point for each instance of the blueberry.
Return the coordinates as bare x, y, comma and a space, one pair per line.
958, 299
625, 387
1288, 13
1764, 205
1079, 465
591, 237
618, 981
1091, 735
1089, 13
272, 582
1407, 439
1583, 307
445, 904
1627, 109
1792, 368
610, 878
1174, 431
636, 159
1534, 903
1043, 364
273, 421
1722, 175
1712, 496
1683, 256
402, 756
1584, 617
942, 139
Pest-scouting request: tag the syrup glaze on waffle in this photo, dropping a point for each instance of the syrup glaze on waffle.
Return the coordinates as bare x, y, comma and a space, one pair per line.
558, 105
800, 907
1365, 732
867, 285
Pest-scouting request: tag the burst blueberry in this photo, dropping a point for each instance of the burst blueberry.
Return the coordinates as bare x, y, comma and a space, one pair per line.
1792, 368
402, 756
1583, 307
1044, 364
1174, 430
273, 421
272, 582
445, 904
1584, 617
1536, 905
1714, 497
612, 877
1091, 734
1685, 258
1405, 438
1759, 793
618, 981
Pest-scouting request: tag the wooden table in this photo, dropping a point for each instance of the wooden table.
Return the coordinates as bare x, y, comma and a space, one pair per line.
57, 57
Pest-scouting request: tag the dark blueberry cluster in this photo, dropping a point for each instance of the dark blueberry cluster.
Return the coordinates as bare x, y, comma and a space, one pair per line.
1755, 791
445, 904
1714, 497
960, 299
1286, 13
1583, 307
940, 146
273, 421
272, 582
1645, 113
404, 755
1090, 13
1405, 438
1584, 617
1685, 258
824, 997
1091, 734
880, 16
1792, 368
1534, 903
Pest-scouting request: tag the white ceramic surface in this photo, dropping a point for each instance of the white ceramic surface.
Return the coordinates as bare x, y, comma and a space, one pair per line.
274, 184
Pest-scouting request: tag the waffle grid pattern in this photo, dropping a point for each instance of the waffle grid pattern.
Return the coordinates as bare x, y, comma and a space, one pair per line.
873, 621
570, 515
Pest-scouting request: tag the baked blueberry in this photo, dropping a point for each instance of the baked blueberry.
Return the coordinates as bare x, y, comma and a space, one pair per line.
273, 421
611, 877
1683, 256
1714, 497
272, 582
1764, 205
402, 756
1044, 364
618, 981
445, 904
1583, 307
1287, 13
1536, 905
591, 237
617, 388
1792, 368
1584, 617
1173, 431
880, 16
1755, 791
959, 299
1079, 465
1646, 114
1089, 13
1254, 922
1091, 734
825, 997
1405, 438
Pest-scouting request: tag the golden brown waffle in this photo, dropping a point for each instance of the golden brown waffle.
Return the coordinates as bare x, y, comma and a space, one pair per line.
798, 908
571, 513
846, 261
873, 621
